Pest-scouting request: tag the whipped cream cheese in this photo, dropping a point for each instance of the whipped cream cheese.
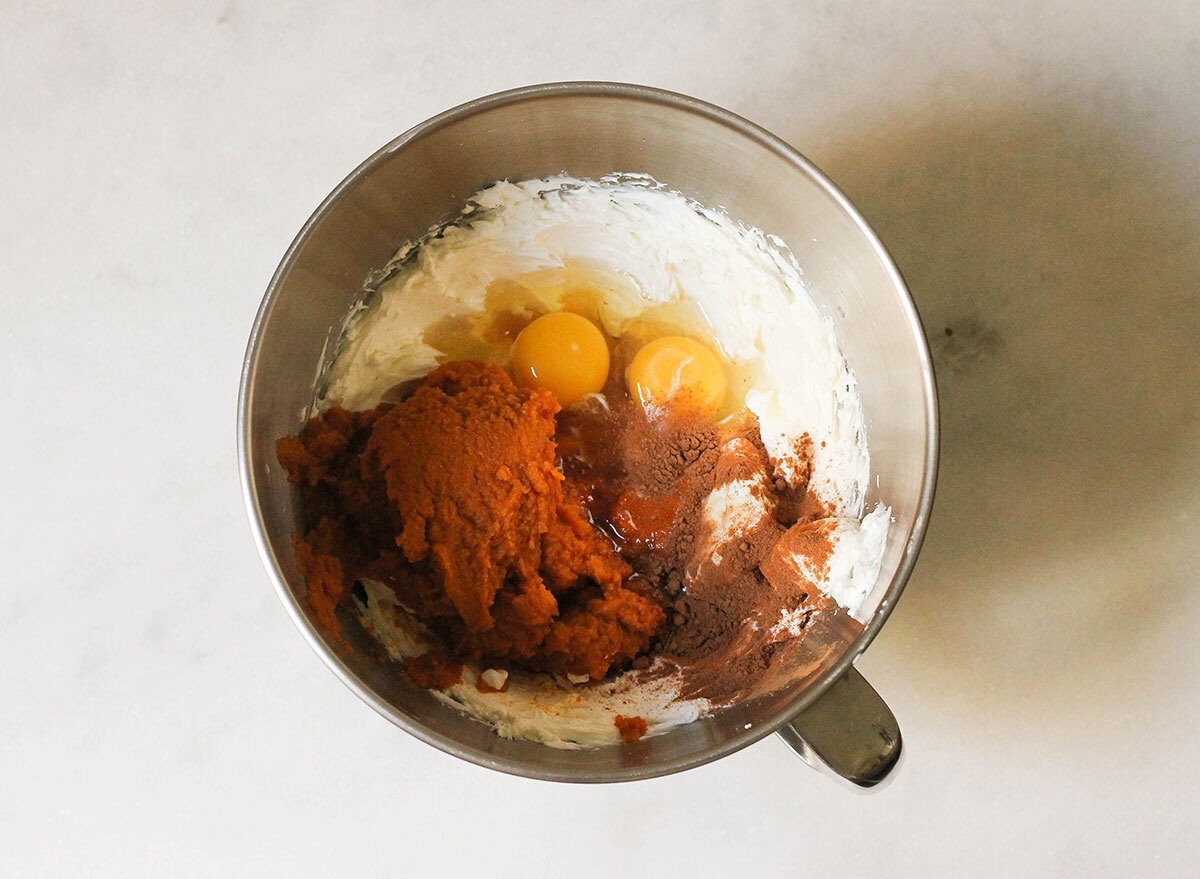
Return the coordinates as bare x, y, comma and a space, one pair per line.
644, 247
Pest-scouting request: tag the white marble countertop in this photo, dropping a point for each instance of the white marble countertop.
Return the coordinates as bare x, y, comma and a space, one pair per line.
1033, 167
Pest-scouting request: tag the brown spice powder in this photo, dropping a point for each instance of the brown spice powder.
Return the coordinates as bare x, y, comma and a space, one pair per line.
637, 470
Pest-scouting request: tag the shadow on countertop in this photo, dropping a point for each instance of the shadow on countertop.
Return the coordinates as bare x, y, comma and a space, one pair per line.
1057, 269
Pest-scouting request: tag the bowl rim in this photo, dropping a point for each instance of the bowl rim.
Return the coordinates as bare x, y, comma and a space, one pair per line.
637, 93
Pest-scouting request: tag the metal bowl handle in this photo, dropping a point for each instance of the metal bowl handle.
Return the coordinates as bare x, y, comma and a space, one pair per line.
848, 733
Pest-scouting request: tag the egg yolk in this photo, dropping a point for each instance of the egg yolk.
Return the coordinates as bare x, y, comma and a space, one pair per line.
562, 353
679, 371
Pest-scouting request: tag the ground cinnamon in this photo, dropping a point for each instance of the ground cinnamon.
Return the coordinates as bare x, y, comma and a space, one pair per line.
646, 478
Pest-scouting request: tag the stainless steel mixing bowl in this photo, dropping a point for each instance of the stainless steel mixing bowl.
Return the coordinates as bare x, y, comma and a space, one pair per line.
833, 719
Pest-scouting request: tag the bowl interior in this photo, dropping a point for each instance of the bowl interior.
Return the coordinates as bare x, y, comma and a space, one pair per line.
588, 131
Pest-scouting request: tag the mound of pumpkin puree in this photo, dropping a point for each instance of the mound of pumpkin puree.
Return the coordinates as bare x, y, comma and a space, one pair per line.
453, 499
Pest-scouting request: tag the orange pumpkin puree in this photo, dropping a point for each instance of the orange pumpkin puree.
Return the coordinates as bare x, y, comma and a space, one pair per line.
453, 499
434, 669
630, 728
